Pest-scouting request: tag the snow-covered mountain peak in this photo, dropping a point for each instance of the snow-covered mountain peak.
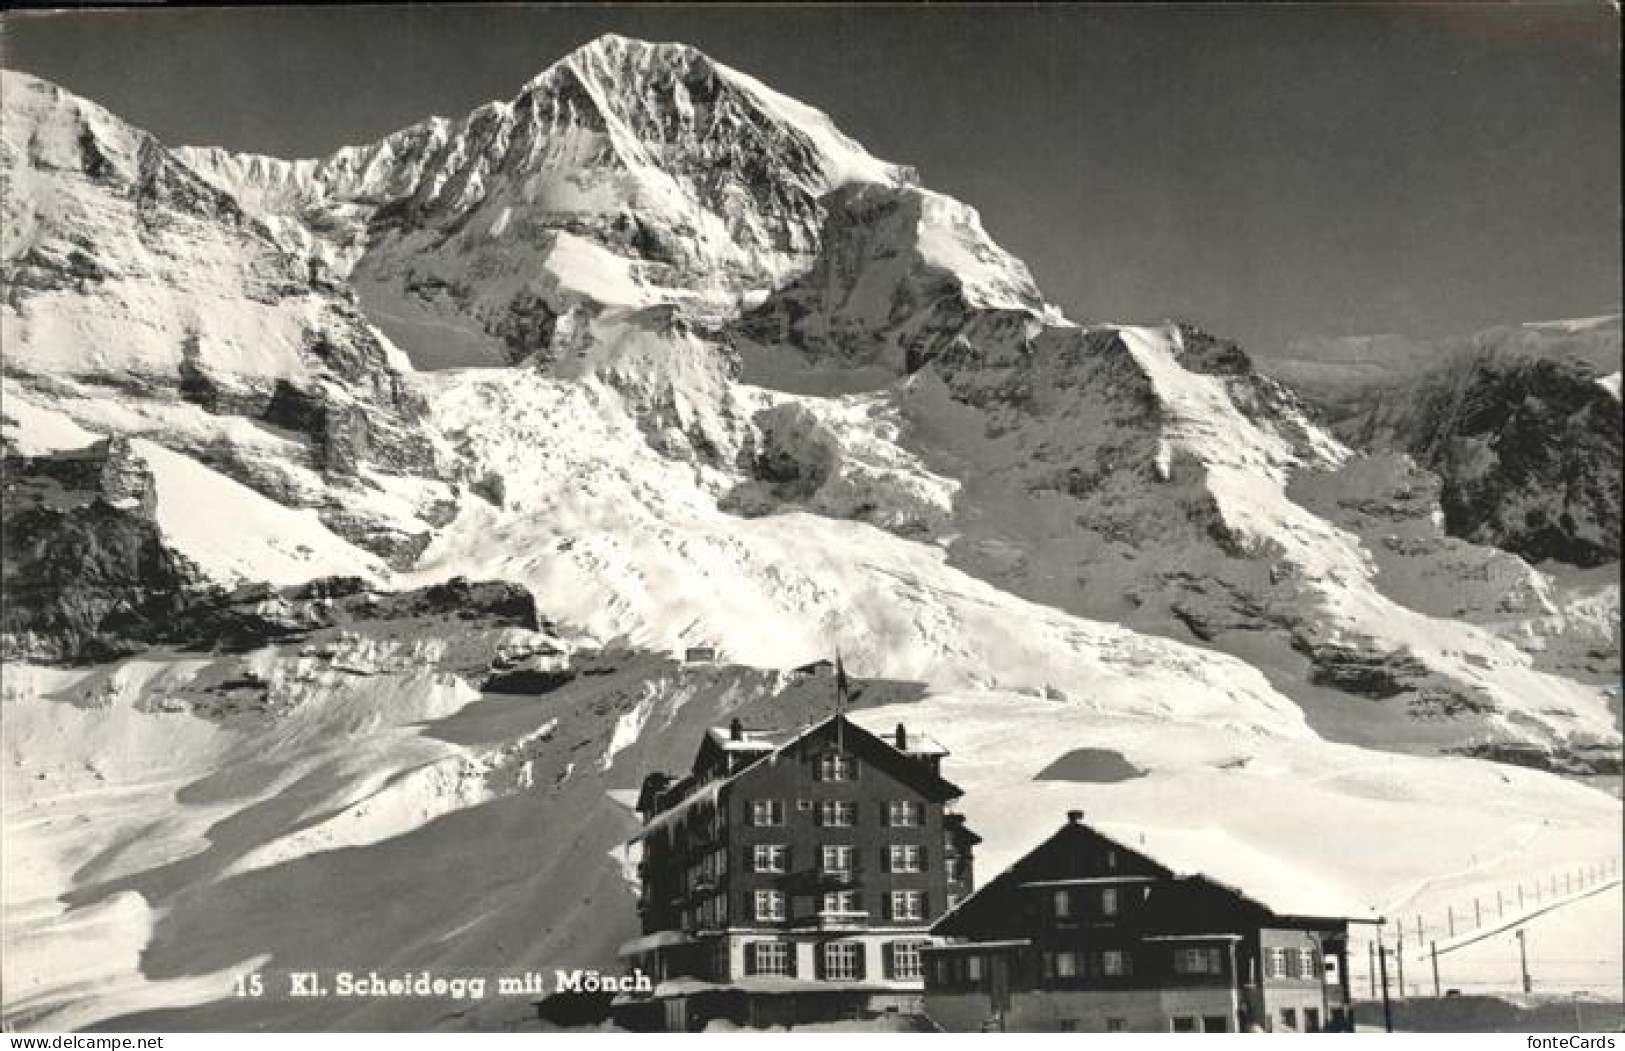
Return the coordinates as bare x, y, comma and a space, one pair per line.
673, 95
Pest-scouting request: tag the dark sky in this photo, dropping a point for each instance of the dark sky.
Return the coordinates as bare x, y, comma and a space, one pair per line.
1267, 171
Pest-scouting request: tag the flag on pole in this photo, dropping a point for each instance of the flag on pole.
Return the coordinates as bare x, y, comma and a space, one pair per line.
840, 699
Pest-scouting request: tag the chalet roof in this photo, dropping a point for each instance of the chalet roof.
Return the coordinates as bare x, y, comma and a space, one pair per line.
857, 738
1228, 862
1211, 856
749, 741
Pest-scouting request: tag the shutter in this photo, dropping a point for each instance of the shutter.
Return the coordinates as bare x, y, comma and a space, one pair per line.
885, 814
924, 864
750, 958
790, 959
863, 961
885, 859
819, 963
889, 951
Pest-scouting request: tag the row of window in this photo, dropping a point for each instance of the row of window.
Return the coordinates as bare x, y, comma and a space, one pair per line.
837, 813
1108, 963
1293, 963
1068, 903
909, 906
835, 961
1311, 1019
838, 858
1176, 1024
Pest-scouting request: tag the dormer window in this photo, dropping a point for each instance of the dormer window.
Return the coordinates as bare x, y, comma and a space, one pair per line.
837, 766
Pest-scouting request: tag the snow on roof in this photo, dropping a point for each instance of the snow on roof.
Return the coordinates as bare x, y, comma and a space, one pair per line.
704, 793
750, 740
921, 744
1223, 859
657, 940
780, 984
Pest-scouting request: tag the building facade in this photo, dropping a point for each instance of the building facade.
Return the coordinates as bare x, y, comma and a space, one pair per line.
1088, 934
794, 877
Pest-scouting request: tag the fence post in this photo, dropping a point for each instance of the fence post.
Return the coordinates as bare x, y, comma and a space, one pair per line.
1478, 915
1500, 906
1450, 919
1433, 950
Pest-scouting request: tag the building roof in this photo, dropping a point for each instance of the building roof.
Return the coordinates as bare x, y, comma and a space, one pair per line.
749, 741
1210, 856
1224, 860
857, 738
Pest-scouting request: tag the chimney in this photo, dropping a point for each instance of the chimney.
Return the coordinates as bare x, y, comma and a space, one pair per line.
1074, 817
902, 738
736, 732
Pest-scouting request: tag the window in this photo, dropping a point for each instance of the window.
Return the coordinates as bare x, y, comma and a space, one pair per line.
770, 958
766, 813
1111, 859
1277, 963
769, 906
905, 813
905, 857
835, 858
1108, 901
1311, 1019
1061, 901
1114, 963
836, 766
1215, 1024
843, 960
837, 813
1068, 1025
1183, 1024
905, 961
1203, 960
1289, 1018
908, 905
1308, 967
769, 857
973, 968
1116, 1025
1066, 964
841, 902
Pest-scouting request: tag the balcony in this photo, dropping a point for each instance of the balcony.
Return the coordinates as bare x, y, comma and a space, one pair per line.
836, 920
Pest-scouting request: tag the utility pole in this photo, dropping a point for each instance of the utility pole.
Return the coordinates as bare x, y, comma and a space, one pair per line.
1399, 958
1523, 960
1433, 949
1387, 1005
1371, 967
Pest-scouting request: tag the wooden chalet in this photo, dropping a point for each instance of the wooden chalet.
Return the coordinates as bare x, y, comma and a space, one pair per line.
1107, 929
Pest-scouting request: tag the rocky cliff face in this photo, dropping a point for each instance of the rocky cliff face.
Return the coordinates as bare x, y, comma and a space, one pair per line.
142, 299
1520, 423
